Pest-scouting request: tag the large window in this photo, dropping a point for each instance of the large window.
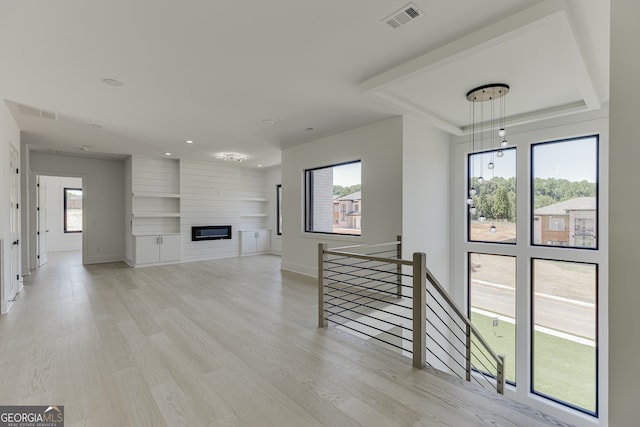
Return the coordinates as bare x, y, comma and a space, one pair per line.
564, 311
492, 304
72, 210
564, 192
333, 199
492, 196
279, 209
551, 342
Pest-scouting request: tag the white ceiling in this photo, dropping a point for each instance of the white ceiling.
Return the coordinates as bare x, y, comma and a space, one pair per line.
211, 71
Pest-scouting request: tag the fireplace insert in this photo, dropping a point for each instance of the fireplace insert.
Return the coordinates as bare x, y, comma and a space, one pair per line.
210, 232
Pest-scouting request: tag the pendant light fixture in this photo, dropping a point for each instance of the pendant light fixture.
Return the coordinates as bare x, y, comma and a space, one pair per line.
481, 95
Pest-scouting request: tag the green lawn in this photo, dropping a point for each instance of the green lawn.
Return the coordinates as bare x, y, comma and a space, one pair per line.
563, 369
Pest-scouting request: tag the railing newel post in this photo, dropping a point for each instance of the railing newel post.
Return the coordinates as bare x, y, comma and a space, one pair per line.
500, 374
468, 352
322, 258
399, 267
419, 309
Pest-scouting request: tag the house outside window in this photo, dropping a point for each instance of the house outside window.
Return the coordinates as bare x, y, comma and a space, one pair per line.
331, 192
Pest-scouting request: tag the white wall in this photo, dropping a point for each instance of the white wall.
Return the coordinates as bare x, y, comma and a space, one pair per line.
624, 256
211, 194
425, 195
9, 136
57, 239
379, 146
103, 202
273, 177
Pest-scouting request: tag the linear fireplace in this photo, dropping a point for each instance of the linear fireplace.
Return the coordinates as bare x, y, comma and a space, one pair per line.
210, 232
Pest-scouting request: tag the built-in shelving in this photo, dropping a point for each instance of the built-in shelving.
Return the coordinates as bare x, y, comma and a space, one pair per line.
155, 194
155, 210
253, 207
156, 215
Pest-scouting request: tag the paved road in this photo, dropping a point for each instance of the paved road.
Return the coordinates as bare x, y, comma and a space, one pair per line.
575, 318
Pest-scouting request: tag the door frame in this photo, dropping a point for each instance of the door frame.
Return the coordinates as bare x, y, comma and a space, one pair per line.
33, 191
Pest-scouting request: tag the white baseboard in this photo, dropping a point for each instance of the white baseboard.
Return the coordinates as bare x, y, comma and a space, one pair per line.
300, 269
102, 259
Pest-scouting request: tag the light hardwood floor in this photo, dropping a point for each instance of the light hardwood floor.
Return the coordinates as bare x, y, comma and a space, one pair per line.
216, 343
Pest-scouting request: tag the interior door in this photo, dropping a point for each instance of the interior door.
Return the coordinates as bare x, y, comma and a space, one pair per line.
14, 225
42, 221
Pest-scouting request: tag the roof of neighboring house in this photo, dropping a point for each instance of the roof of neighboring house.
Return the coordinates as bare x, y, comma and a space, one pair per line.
352, 196
563, 208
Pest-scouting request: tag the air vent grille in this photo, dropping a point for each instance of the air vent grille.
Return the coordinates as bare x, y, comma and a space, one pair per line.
402, 16
36, 112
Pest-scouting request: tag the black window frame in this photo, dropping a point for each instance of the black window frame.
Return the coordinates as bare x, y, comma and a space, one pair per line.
532, 193
469, 184
308, 198
64, 211
279, 209
532, 326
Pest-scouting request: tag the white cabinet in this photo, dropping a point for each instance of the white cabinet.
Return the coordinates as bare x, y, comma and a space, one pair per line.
255, 241
155, 212
157, 249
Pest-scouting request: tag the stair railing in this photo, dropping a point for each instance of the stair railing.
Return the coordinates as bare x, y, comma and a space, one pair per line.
371, 292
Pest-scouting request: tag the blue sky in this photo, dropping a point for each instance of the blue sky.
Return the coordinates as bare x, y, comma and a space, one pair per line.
347, 175
574, 160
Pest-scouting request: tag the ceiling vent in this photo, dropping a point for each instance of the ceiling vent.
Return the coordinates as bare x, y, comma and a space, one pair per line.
402, 16
35, 112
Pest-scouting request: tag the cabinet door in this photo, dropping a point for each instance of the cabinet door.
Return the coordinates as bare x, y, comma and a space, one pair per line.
247, 242
264, 241
147, 249
170, 248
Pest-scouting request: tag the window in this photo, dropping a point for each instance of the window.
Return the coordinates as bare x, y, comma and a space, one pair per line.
556, 224
552, 348
564, 336
279, 209
330, 191
564, 187
492, 196
72, 210
492, 304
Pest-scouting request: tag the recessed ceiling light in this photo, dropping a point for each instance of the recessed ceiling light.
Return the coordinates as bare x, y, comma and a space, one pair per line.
189, 141
112, 82
259, 166
268, 121
167, 153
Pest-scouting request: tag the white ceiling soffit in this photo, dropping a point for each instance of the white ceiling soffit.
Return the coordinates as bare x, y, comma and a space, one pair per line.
534, 51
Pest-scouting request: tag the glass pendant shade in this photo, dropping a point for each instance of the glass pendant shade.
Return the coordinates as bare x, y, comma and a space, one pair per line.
480, 180
490, 165
473, 210
504, 143
472, 191
469, 201
482, 218
492, 229
499, 153
502, 132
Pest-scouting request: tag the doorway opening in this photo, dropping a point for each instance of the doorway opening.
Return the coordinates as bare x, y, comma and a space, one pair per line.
59, 223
